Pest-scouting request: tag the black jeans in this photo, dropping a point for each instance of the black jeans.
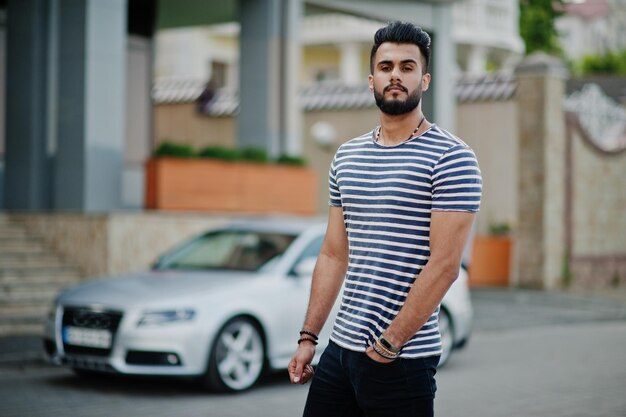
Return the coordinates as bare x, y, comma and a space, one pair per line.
350, 384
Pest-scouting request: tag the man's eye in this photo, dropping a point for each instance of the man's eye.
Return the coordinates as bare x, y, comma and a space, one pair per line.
407, 69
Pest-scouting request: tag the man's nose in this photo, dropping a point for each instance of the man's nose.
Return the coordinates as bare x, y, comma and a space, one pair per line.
395, 73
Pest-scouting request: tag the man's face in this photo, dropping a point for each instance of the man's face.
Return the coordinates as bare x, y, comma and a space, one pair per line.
397, 81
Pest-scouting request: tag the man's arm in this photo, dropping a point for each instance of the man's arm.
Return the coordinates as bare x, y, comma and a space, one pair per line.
448, 234
328, 276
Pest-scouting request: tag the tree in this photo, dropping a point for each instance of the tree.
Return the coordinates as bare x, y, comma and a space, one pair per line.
537, 25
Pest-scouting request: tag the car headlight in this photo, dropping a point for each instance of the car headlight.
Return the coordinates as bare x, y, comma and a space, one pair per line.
165, 317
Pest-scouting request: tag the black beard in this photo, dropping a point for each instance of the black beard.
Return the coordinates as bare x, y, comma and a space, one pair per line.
397, 107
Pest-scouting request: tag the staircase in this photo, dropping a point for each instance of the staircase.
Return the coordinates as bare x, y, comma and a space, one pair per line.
30, 277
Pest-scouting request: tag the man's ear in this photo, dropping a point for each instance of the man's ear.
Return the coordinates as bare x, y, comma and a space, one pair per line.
425, 81
370, 82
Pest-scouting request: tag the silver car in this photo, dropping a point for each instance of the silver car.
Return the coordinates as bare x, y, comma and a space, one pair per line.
225, 307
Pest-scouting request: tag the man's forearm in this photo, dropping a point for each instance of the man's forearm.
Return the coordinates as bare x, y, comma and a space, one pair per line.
327, 279
423, 298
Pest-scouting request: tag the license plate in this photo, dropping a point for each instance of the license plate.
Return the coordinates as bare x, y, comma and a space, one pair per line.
94, 338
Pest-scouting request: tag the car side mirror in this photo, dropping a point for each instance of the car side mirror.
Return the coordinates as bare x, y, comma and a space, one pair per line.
305, 267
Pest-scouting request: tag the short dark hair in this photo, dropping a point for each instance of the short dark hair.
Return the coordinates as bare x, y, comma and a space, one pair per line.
402, 32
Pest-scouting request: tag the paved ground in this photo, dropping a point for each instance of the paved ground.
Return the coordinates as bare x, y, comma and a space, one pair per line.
531, 354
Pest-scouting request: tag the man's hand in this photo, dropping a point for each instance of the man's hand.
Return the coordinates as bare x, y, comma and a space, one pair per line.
300, 369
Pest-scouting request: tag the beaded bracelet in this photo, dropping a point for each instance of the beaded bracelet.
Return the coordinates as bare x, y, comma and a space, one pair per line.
307, 339
306, 332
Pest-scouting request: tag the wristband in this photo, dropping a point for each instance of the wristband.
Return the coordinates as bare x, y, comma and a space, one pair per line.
378, 349
308, 333
307, 339
388, 345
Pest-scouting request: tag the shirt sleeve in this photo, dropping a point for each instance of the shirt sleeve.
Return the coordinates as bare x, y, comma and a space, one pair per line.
333, 187
456, 181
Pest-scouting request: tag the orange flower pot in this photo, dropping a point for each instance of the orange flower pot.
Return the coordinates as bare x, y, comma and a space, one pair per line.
491, 260
211, 185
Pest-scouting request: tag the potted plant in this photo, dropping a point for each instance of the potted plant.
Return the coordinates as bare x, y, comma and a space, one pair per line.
491, 257
218, 179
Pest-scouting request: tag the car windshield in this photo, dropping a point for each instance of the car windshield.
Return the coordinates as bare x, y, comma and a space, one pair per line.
237, 250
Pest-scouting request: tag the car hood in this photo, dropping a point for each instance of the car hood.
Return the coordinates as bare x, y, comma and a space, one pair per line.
154, 287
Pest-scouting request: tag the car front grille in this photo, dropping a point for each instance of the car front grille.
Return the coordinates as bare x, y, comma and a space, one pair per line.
89, 318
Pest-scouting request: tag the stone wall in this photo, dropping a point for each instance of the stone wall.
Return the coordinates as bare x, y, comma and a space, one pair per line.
115, 243
598, 218
80, 239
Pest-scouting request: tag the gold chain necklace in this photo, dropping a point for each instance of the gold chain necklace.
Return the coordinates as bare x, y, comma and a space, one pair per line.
410, 136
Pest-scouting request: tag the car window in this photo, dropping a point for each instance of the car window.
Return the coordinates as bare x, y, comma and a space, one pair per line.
238, 250
312, 250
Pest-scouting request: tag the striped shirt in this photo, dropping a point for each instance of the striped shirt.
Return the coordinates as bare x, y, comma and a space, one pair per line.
387, 195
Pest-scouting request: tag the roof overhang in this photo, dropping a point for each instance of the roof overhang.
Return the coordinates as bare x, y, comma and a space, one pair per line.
183, 13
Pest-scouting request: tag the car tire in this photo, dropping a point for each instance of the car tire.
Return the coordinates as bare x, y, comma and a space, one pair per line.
237, 357
447, 335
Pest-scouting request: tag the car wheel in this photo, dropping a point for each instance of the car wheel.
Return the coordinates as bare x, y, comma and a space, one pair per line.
447, 336
237, 357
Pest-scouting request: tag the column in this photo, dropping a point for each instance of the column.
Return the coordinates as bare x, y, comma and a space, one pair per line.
540, 236
350, 64
92, 105
441, 98
27, 164
292, 61
269, 111
258, 122
477, 60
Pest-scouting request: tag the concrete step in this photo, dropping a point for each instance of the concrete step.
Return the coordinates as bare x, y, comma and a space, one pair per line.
35, 273
24, 293
42, 297
7, 329
8, 256
22, 245
31, 276
23, 308
7, 231
16, 261
55, 281
23, 319
26, 323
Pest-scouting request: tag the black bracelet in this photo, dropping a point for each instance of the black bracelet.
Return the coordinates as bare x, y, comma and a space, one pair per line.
307, 339
313, 335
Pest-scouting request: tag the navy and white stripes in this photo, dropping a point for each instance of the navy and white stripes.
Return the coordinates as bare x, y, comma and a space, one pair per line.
387, 195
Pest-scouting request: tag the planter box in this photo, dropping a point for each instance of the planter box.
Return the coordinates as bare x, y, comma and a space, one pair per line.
210, 185
491, 260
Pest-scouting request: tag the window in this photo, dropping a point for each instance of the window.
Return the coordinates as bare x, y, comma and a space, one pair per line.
238, 250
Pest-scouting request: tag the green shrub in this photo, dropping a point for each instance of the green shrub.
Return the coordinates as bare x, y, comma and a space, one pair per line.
291, 160
610, 63
499, 229
225, 154
220, 152
174, 149
254, 155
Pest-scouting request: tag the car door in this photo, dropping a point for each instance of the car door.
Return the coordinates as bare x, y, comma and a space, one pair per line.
294, 300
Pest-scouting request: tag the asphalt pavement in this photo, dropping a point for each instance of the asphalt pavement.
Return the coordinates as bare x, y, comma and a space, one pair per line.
531, 354
495, 309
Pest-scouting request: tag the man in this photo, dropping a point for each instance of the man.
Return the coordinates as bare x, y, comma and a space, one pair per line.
402, 199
